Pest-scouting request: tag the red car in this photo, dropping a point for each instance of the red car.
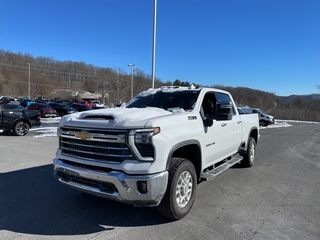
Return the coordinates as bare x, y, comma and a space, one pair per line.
45, 109
89, 104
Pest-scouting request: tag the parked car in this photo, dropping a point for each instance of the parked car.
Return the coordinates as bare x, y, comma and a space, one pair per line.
17, 118
241, 111
97, 105
6, 99
80, 107
264, 118
44, 108
89, 103
25, 102
62, 108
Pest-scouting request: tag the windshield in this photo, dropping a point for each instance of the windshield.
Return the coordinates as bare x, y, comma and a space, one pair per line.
11, 106
242, 111
168, 100
66, 106
41, 106
263, 112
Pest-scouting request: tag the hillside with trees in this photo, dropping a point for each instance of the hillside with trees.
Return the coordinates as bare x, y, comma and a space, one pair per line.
50, 78
48, 75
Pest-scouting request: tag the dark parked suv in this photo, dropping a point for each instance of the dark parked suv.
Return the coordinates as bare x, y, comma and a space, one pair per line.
80, 107
62, 108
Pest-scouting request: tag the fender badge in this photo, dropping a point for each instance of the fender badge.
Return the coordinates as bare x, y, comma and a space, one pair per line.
192, 117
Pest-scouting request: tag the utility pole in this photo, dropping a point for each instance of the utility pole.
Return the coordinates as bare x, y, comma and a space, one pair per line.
154, 41
29, 81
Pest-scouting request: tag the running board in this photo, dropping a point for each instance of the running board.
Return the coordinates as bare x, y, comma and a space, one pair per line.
209, 175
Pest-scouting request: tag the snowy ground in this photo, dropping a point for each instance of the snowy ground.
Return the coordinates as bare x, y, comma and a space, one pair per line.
49, 126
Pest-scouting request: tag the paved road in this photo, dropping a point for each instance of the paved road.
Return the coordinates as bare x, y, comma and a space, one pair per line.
279, 198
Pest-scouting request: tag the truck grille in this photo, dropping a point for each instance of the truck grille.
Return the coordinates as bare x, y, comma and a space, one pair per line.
95, 144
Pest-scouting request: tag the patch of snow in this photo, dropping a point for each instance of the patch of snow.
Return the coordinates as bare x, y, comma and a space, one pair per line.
50, 120
277, 125
45, 132
285, 123
119, 114
296, 121
148, 92
151, 91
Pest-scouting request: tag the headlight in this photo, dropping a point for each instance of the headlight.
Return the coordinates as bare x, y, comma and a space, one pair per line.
145, 136
59, 131
140, 141
59, 134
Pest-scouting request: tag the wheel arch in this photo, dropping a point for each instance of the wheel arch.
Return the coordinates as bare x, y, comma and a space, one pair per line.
191, 150
26, 120
254, 133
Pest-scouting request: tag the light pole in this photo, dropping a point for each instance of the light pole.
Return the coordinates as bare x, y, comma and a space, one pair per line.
29, 81
154, 41
132, 65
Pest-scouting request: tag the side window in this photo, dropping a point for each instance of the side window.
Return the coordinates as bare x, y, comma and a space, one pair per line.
208, 105
222, 97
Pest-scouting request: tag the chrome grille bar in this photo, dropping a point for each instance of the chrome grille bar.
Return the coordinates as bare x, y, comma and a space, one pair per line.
99, 145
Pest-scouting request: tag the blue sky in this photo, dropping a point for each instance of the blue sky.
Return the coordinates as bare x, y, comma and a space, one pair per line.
269, 45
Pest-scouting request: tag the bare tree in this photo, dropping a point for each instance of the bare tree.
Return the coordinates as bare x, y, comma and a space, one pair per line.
49, 75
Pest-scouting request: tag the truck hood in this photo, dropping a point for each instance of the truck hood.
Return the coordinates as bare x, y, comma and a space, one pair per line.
113, 117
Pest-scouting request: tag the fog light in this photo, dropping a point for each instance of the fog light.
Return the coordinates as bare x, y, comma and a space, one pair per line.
142, 186
62, 176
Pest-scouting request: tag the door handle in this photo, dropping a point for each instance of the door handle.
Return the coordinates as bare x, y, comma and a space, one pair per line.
223, 124
239, 121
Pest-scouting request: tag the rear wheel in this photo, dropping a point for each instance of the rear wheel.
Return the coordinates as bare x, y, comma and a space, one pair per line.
181, 189
263, 123
249, 156
21, 128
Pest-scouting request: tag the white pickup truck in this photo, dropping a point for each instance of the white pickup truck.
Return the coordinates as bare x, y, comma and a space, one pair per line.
156, 149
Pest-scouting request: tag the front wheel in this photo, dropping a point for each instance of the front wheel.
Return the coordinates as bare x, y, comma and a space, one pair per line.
21, 128
249, 156
181, 189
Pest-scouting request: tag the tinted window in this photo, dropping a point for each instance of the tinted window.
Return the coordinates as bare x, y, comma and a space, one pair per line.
11, 106
53, 104
33, 106
166, 99
222, 97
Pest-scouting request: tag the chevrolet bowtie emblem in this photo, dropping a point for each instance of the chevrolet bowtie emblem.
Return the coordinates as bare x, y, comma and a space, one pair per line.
83, 136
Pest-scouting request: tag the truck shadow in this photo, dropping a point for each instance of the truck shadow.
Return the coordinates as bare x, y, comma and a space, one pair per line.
33, 202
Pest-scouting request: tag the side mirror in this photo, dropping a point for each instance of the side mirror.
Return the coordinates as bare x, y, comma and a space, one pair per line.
224, 111
208, 122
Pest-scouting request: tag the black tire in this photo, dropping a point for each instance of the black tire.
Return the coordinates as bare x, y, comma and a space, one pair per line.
250, 155
263, 123
21, 128
181, 189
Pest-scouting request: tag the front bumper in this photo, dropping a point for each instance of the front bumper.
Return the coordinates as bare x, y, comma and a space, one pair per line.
49, 115
113, 185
